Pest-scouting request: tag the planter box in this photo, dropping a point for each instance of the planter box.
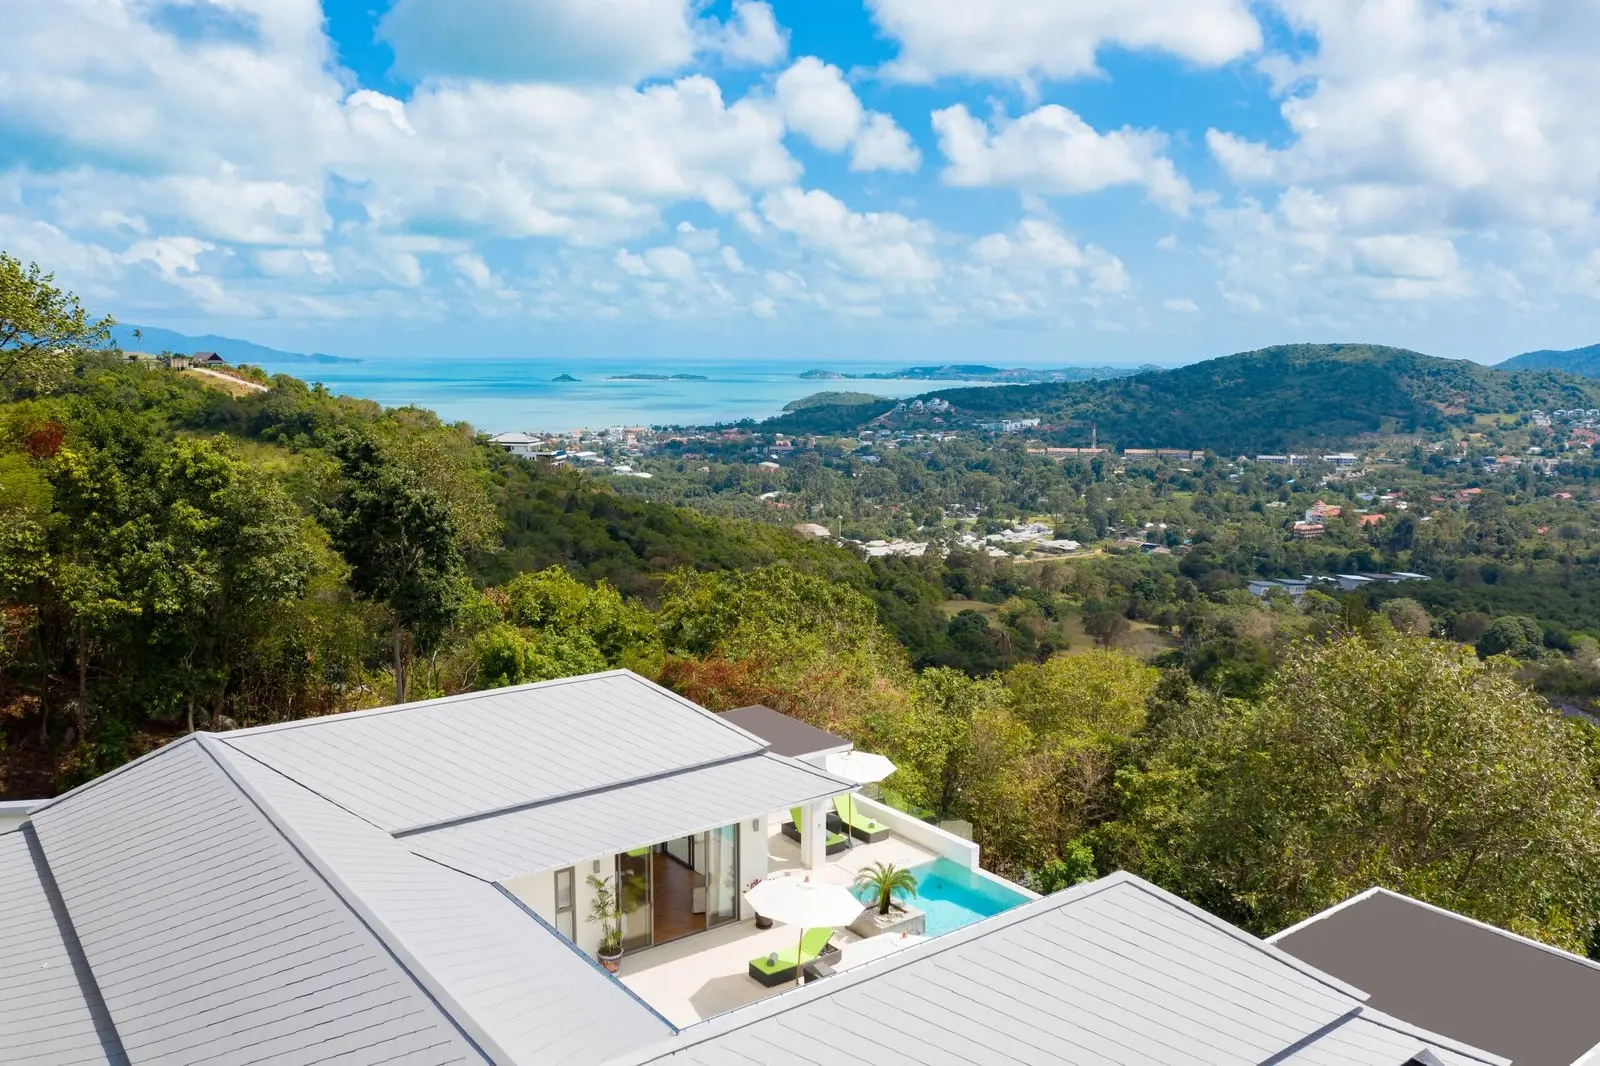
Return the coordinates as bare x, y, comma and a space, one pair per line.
900, 919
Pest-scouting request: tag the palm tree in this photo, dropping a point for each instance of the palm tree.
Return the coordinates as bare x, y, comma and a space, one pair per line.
138, 339
886, 880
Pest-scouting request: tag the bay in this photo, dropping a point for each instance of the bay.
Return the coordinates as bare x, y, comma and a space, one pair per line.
509, 394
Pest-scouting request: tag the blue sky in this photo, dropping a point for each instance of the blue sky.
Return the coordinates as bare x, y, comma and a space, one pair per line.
1040, 181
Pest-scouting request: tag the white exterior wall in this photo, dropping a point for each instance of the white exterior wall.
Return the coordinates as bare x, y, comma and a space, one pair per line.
752, 857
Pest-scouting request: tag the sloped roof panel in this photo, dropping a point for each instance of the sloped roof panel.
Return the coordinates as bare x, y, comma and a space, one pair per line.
533, 994
51, 1013
419, 764
1115, 973
212, 941
565, 831
1372, 1038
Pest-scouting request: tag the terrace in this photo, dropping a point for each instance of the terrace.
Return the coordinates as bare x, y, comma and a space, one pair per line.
699, 977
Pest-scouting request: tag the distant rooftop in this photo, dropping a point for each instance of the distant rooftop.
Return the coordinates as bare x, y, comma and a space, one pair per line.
1532, 1003
787, 736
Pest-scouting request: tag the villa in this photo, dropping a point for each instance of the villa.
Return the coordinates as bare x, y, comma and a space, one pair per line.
410, 885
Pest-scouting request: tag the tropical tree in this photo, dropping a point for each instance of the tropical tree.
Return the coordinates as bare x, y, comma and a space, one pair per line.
401, 542
43, 329
887, 883
1383, 759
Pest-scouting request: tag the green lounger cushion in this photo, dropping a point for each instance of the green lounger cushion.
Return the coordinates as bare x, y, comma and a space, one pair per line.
812, 941
857, 820
834, 840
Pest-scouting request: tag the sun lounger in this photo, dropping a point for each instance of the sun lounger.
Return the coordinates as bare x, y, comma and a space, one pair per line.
774, 969
791, 829
861, 826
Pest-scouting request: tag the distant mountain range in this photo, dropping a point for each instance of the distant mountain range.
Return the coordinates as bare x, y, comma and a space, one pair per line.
1585, 361
1277, 399
156, 339
979, 372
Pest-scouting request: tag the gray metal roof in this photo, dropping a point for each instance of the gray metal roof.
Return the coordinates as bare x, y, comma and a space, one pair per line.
1531, 1002
534, 997
1372, 1038
421, 764
51, 1013
1113, 972
785, 735
210, 938
562, 832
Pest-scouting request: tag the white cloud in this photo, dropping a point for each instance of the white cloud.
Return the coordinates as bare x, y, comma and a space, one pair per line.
1038, 271
1053, 151
171, 255
1168, 243
1408, 256
674, 264
629, 263
882, 145
880, 245
817, 103
573, 41
751, 36
1434, 150
544, 160
1181, 305
1024, 42
556, 40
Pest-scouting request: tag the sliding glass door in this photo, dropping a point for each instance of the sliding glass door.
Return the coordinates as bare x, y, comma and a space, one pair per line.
634, 898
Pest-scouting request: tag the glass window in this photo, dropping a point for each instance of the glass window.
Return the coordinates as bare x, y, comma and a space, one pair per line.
566, 903
722, 897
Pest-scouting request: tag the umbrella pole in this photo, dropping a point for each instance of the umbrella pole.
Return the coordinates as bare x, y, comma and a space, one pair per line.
799, 960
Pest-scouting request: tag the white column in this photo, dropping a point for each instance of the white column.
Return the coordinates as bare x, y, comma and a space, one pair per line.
814, 837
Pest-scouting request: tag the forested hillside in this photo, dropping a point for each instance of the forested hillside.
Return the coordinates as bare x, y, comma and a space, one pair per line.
1584, 361
173, 557
1277, 399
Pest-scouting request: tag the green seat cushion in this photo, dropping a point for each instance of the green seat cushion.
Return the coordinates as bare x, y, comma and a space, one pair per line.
812, 941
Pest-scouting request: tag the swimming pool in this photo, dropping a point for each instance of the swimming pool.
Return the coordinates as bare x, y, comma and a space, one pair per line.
953, 896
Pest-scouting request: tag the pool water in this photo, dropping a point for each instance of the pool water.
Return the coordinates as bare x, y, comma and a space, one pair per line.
952, 896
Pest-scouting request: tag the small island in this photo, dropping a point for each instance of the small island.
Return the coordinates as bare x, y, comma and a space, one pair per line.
565, 377
657, 377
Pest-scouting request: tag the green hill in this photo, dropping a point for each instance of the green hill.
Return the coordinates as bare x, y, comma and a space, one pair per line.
1585, 361
831, 399
1291, 396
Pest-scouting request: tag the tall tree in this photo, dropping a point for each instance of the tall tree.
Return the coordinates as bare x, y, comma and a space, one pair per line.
402, 544
43, 329
1378, 759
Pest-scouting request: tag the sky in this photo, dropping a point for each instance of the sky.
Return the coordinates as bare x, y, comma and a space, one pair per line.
1045, 182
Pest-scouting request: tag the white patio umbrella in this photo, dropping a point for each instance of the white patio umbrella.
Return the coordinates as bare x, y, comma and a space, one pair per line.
862, 767
805, 904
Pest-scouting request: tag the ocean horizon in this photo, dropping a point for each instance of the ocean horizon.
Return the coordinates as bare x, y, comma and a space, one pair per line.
508, 394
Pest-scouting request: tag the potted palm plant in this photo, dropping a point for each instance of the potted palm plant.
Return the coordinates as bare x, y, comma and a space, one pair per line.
885, 882
883, 886
605, 911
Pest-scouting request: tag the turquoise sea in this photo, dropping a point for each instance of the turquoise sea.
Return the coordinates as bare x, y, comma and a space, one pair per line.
504, 394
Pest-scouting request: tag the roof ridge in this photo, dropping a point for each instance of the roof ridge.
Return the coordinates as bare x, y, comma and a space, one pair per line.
535, 804
459, 1018
460, 697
